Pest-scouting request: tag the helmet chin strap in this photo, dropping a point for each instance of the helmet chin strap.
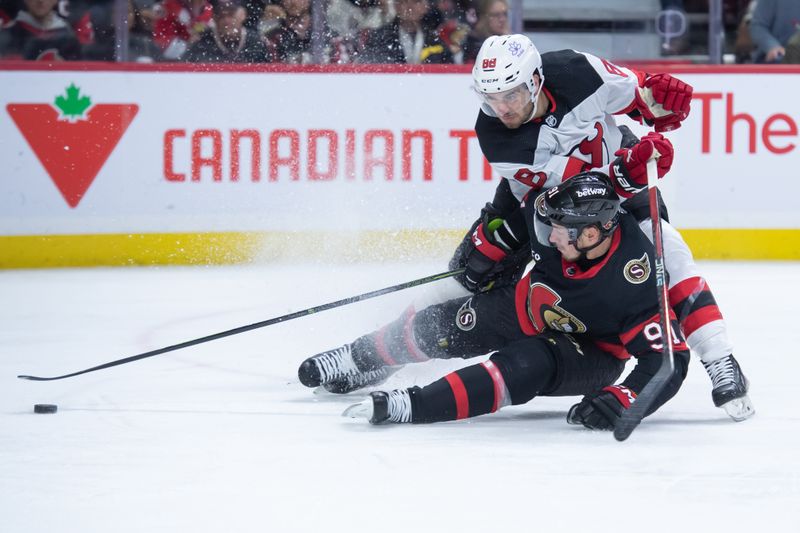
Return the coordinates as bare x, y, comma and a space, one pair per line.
584, 251
535, 98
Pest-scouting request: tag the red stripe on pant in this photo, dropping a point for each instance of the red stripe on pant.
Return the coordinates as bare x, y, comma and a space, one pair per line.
700, 318
686, 288
460, 395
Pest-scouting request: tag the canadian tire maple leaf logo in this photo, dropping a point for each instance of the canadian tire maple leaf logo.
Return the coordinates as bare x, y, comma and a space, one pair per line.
72, 138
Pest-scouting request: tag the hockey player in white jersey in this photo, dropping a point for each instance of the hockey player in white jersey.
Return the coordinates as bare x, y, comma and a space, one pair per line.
545, 118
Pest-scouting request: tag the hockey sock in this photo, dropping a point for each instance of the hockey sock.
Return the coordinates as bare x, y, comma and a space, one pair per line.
700, 318
392, 345
472, 391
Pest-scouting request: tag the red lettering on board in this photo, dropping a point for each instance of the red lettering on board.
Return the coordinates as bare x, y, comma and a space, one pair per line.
214, 161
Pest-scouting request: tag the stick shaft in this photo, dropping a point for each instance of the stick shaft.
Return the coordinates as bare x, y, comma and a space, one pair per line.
256, 325
631, 417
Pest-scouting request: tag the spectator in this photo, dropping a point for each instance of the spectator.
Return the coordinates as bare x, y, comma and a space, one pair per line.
179, 24
492, 20
146, 13
141, 47
348, 19
774, 24
405, 39
8, 10
255, 10
100, 40
450, 18
444, 11
453, 35
38, 32
228, 41
744, 47
84, 15
289, 37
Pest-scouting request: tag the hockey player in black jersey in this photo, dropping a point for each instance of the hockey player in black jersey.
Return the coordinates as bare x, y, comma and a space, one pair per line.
545, 118
566, 329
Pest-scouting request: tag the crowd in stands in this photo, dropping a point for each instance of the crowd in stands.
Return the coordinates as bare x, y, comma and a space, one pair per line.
280, 31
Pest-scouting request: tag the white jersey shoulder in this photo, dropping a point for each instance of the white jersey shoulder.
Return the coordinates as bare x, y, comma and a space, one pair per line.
578, 130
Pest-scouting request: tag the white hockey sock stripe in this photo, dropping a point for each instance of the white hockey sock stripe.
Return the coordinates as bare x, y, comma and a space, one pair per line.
501, 396
408, 337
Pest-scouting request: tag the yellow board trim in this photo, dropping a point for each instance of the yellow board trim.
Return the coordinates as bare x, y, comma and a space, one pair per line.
744, 244
47, 251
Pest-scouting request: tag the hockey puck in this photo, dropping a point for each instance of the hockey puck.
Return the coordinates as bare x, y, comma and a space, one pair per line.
45, 408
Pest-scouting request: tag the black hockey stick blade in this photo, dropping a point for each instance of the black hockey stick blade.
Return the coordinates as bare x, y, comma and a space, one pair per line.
256, 325
632, 417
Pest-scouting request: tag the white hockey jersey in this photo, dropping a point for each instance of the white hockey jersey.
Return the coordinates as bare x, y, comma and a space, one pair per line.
577, 132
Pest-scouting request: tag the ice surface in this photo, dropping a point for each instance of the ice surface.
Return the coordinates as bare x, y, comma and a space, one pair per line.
222, 438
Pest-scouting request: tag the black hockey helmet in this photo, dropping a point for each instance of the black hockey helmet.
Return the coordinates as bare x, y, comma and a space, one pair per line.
585, 199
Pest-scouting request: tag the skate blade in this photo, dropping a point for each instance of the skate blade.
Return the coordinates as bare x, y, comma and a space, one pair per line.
740, 409
360, 410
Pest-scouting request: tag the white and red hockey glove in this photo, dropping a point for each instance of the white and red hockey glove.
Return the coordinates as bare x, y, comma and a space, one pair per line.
664, 101
628, 172
601, 409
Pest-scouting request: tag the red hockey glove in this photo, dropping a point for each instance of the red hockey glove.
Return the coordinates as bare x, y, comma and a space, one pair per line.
602, 409
664, 101
628, 171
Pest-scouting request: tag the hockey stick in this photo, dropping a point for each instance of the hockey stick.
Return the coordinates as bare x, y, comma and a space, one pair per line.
631, 417
256, 325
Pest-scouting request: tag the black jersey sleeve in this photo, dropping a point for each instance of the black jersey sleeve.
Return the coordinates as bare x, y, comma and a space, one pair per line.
643, 340
504, 200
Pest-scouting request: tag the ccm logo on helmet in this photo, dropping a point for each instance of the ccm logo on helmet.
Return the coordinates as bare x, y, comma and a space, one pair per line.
589, 192
489, 64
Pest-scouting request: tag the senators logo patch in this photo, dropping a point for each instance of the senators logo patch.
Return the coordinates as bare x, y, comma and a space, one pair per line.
545, 312
637, 270
466, 316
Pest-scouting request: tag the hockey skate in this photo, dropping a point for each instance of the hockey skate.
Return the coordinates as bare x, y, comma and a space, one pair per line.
383, 408
730, 388
336, 372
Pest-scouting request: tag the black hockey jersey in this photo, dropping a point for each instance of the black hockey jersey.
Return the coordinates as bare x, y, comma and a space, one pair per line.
614, 302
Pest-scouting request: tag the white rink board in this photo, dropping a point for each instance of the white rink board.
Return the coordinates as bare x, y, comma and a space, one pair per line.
709, 187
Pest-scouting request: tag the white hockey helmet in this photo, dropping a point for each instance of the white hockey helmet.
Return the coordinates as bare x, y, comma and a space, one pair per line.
505, 62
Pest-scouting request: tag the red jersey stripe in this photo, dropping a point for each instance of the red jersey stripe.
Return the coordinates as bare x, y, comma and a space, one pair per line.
521, 303
574, 166
617, 350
